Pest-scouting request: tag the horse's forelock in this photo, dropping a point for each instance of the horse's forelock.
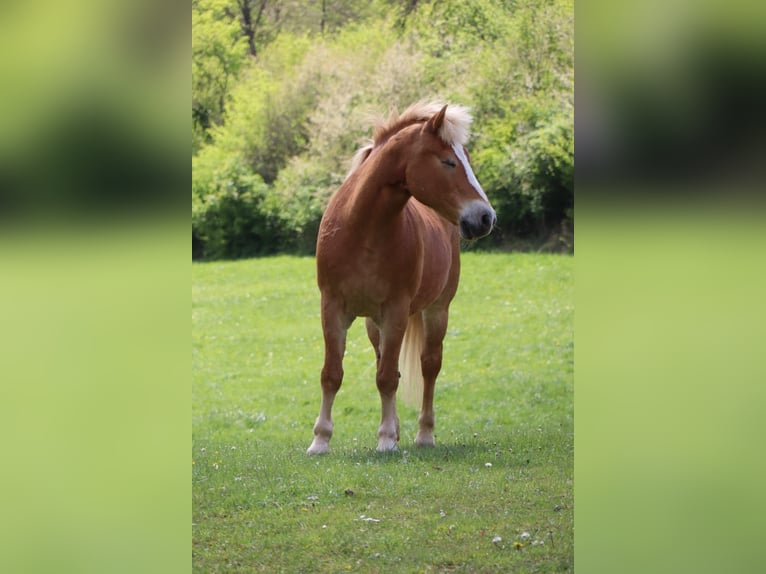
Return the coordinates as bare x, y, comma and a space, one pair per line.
455, 130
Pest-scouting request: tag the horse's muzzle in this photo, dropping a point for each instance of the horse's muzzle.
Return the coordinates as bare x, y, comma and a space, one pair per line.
476, 220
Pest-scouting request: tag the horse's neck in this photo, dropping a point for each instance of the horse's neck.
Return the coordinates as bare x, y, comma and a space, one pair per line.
378, 196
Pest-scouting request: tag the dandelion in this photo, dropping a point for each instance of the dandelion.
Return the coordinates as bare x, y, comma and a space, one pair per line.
517, 545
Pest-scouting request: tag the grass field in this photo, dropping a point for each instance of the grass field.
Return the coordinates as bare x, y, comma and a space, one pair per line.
495, 495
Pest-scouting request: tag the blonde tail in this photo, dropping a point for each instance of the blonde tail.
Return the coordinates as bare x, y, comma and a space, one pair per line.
411, 382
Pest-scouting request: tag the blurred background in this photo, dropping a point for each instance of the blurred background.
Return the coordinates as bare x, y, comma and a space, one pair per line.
90, 104
670, 278
94, 286
671, 93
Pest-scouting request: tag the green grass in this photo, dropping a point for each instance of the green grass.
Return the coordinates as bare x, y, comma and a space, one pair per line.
502, 467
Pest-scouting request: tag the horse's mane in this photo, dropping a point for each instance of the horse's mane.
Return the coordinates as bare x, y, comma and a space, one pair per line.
454, 130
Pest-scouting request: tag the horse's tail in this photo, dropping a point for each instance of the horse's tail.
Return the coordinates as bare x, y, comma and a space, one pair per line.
411, 382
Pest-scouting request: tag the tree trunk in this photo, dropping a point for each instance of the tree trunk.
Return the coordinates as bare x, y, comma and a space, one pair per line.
248, 25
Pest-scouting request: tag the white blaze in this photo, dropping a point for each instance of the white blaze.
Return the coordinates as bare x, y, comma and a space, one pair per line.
458, 149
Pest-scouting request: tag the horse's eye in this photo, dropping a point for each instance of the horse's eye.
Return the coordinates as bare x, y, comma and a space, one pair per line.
448, 162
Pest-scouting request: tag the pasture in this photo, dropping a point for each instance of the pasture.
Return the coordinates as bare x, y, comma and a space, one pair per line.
494, 495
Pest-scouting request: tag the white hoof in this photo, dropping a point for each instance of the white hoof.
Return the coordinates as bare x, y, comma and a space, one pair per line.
318, 446
386, 444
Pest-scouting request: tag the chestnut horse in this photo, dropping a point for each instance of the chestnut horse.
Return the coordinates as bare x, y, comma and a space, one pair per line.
389, 250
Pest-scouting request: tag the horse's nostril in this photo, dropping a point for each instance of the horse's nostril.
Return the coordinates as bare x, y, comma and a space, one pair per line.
485, 220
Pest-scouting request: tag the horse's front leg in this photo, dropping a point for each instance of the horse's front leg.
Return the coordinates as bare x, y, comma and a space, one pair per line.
387, 378
334, 325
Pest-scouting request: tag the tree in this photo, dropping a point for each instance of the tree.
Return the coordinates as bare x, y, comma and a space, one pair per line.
218, 52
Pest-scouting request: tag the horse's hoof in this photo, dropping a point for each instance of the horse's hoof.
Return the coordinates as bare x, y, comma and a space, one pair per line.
386, 445
318, 447
425, 441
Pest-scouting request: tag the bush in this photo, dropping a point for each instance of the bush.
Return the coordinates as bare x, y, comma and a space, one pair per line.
300, 196
230, 215
528, 172
266, 117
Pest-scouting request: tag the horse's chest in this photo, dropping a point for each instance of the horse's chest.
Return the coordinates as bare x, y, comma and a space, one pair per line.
369, 279
366, 280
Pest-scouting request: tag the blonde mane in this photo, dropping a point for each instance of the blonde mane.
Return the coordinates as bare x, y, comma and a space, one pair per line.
456, 128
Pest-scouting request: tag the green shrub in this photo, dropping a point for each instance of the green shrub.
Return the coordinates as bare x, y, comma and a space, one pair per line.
528, 171
267, 114
300, 196
230, 215
218, 52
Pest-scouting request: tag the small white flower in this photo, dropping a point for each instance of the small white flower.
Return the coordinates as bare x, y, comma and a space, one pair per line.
497, 540
364, 518
525, 536
442, 513
488, 464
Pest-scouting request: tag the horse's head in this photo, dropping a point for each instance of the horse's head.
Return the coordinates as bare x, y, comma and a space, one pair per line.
439, 174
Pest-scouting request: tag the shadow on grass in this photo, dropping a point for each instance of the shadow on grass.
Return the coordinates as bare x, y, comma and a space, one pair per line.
497, 454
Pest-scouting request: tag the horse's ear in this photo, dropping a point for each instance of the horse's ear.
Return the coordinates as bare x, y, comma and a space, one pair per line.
435, 123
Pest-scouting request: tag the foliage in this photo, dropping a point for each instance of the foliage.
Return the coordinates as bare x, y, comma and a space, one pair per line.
266, 117
294, 111
300, 195
503, 464
230, 215
218, 52
528, 171
525, 105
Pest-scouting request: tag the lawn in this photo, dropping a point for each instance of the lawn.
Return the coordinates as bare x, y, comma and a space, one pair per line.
494, 495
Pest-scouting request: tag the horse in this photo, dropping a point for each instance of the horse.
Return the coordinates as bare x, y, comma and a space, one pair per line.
388, 249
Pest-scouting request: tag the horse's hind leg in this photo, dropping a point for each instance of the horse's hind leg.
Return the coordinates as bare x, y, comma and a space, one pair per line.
387, 379
373, 333
334, 325
435, 322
